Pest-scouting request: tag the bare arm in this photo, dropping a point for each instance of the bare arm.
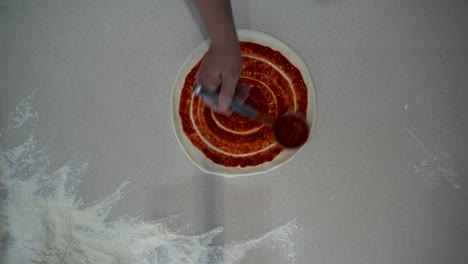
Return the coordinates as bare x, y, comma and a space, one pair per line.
218, 19
222, 65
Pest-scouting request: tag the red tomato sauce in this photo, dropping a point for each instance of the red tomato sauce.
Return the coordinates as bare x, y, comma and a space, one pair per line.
277, 87
291, 130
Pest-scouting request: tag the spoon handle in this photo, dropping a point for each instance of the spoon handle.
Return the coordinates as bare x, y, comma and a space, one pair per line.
236, 107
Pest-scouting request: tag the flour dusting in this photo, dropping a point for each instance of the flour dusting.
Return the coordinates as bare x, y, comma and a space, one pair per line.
43, 220
434, 160
431, 164
22, 113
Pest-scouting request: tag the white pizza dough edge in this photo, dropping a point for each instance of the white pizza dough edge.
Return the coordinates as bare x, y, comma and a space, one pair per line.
196, 155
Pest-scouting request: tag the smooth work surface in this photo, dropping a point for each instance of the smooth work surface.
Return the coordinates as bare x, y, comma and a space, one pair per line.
383, 178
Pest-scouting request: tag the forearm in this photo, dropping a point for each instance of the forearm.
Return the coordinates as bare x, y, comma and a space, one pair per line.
218, 19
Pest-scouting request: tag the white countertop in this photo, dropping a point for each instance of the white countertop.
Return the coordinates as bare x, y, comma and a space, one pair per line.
382, 179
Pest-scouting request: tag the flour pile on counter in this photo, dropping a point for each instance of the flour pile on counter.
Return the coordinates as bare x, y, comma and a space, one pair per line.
43, 220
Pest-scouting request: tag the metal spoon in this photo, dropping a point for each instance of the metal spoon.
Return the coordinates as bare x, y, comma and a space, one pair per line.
290, 129
236, 107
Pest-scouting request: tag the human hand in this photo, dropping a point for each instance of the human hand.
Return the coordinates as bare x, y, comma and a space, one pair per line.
220, 71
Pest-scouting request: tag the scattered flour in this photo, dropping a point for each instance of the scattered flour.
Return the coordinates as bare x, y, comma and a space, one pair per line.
434, 161
22, 113
43, 220
431, 164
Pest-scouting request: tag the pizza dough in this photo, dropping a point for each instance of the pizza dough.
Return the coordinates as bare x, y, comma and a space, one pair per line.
234, 145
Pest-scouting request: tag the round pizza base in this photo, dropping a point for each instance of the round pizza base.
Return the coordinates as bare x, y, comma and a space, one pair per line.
193, 153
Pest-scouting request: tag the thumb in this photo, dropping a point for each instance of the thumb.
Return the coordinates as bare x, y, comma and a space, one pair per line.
228, 88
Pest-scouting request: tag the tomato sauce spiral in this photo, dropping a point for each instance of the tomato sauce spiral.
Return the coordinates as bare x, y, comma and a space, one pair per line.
276, 86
